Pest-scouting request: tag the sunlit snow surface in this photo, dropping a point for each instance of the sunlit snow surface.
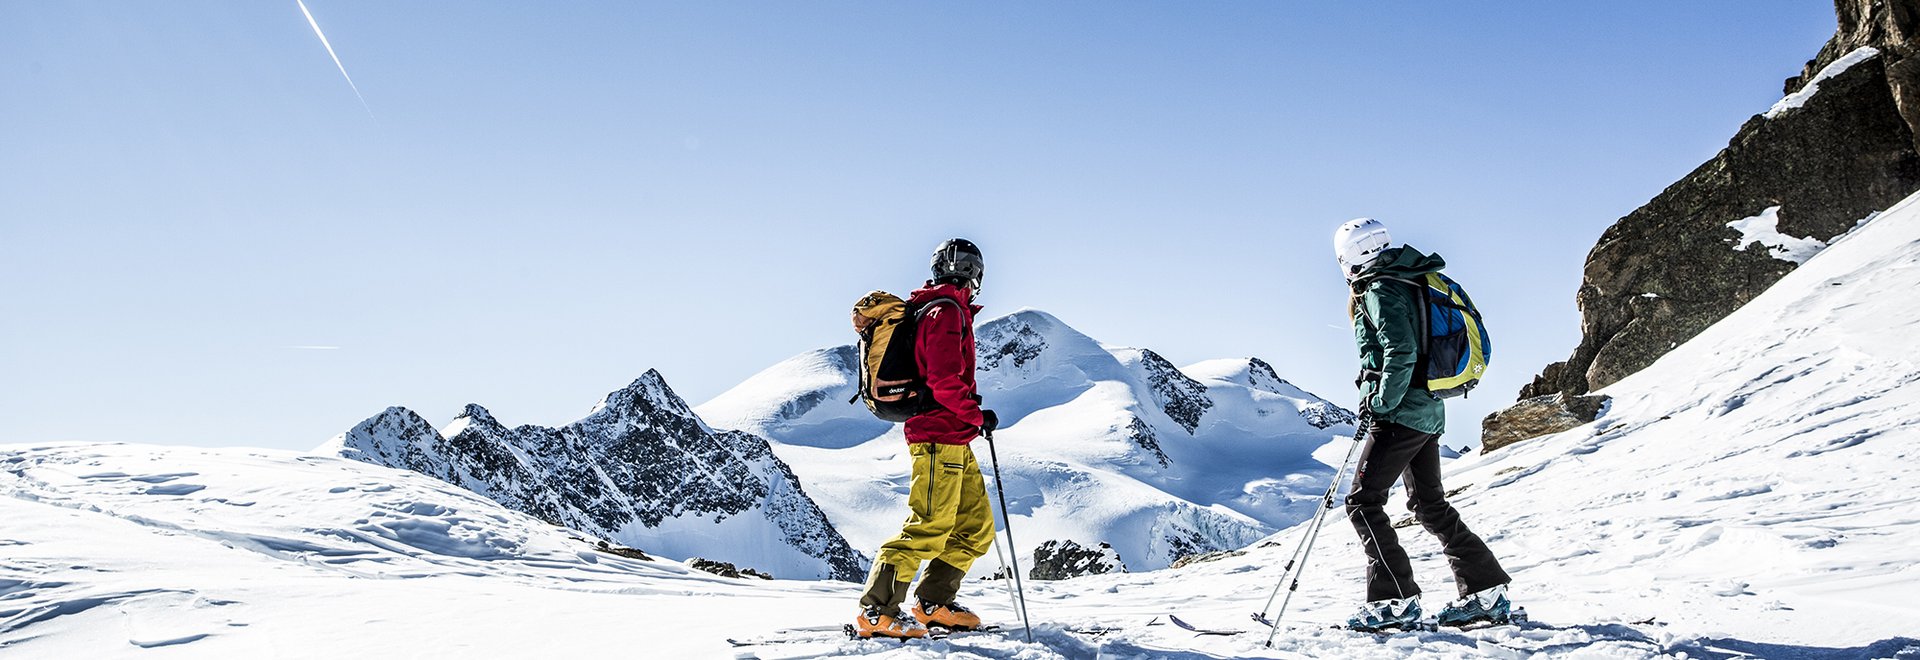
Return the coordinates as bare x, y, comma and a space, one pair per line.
1753, 494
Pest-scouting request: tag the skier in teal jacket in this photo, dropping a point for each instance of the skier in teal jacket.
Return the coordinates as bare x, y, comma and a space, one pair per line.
1404, 423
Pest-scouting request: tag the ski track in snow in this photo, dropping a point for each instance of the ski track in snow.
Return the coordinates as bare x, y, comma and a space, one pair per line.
1752, 494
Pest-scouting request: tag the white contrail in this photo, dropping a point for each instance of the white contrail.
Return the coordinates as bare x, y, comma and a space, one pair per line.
335, 56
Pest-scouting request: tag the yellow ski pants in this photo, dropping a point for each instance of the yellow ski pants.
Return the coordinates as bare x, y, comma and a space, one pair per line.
951, 521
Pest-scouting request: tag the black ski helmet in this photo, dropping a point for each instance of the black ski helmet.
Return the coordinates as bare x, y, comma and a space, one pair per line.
957, 261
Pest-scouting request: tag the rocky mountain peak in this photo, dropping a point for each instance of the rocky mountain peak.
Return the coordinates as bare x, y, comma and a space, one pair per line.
647, 397
1014, 340
641, 470
474, 416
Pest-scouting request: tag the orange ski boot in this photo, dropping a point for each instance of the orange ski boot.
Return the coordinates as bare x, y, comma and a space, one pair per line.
871, 623
950, 616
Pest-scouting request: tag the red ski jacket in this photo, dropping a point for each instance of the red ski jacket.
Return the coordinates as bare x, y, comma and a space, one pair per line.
944, 350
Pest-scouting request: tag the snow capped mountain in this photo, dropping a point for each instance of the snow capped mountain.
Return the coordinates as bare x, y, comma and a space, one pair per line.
641, 470
1098, 445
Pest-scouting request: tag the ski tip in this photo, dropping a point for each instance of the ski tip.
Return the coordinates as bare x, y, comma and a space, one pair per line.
1198, 630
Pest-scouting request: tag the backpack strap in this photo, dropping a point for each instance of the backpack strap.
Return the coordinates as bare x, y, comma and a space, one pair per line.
1420, 302
966, 328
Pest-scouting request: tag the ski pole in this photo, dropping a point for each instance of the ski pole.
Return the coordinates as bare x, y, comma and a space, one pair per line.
1012, 550
1305, 550
1001, 554
1313, 528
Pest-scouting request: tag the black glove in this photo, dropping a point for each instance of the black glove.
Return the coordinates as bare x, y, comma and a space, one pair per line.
988, 421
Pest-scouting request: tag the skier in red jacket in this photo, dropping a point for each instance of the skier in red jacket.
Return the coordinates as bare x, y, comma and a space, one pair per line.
951, 523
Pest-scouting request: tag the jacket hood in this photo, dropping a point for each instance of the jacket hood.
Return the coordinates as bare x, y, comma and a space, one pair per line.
1403, 262
932, 290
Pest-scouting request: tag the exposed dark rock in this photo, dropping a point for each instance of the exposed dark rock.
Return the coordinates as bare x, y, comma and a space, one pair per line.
630, 553
725, 569
1538, 416
1143, 436
1060, 560
1667, 271
1205, 557
1180, 396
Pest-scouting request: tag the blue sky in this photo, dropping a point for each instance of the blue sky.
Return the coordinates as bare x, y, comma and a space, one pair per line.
547, 201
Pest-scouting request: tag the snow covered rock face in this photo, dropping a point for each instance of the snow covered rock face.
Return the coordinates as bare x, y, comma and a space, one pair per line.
641, 469
1098, 444
1060, 560
1890, 27
1809, 170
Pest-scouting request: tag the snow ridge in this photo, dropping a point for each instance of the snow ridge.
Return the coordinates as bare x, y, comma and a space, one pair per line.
1186, 461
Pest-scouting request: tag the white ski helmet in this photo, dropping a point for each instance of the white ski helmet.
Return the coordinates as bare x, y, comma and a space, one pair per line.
1358, 242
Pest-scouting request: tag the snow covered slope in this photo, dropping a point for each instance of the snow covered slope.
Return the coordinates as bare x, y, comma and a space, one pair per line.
640, 470
1098, 444
145, 551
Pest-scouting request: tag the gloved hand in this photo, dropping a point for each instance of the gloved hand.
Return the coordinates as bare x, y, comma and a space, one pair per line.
989, 421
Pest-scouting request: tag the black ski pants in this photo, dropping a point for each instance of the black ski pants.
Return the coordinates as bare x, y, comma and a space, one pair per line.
1397, 452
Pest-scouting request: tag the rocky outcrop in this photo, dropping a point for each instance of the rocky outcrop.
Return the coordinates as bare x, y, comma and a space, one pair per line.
1840, 147
641, 469
1060, 560
724, 569
621, 551
1206, 557
1322, 415
1538, 416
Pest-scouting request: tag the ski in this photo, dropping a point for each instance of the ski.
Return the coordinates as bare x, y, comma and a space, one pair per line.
1518, 617
815, 634
1417, 626
844, 632
797, 635
1201, 631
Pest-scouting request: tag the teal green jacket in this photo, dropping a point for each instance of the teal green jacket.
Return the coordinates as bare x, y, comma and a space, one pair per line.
1387, 331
